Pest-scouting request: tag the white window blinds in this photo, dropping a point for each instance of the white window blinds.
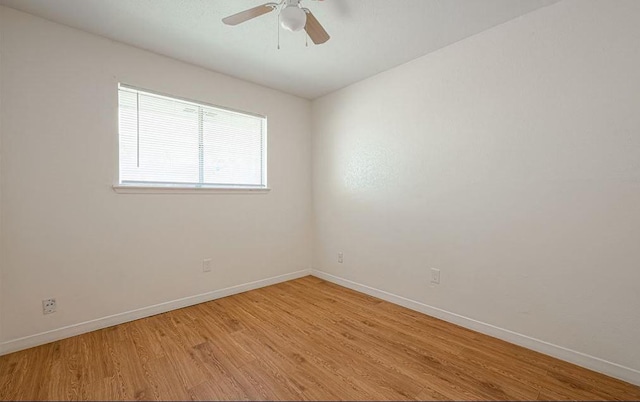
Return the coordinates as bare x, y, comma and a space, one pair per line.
173, 142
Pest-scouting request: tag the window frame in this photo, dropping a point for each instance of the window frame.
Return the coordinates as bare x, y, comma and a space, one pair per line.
189, 188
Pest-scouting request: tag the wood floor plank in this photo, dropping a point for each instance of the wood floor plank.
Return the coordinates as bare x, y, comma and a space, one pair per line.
129, 371
305, 339
222, 373
442, 363
165, 383
145, 342
218, 391
105, 389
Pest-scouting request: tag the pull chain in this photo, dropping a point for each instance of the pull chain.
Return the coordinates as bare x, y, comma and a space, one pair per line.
306, 39
278, 28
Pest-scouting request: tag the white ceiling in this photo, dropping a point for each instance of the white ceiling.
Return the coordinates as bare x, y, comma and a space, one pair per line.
367, 36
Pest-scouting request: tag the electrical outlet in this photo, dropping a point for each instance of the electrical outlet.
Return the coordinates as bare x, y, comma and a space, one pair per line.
340, 258
206, 265
435, 276
48, 306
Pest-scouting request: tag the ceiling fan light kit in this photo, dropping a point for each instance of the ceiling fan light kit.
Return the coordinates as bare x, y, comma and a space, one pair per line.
293, 17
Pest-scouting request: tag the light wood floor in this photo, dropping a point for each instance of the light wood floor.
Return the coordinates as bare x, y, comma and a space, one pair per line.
304, 339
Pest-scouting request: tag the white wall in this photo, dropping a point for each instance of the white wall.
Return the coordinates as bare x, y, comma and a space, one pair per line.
510, 161
66, 234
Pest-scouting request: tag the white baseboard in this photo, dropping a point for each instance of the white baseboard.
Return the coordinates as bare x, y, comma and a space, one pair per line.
581, 359
15, 345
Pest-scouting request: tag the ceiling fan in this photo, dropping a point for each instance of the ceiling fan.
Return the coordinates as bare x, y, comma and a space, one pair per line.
293, 17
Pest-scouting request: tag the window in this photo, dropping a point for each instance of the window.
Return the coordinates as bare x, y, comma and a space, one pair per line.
168, 142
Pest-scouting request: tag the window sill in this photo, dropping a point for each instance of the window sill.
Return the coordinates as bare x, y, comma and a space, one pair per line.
137, 189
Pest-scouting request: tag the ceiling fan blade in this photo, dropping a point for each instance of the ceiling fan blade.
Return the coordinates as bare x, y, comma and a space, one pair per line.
246, 15
315, 31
